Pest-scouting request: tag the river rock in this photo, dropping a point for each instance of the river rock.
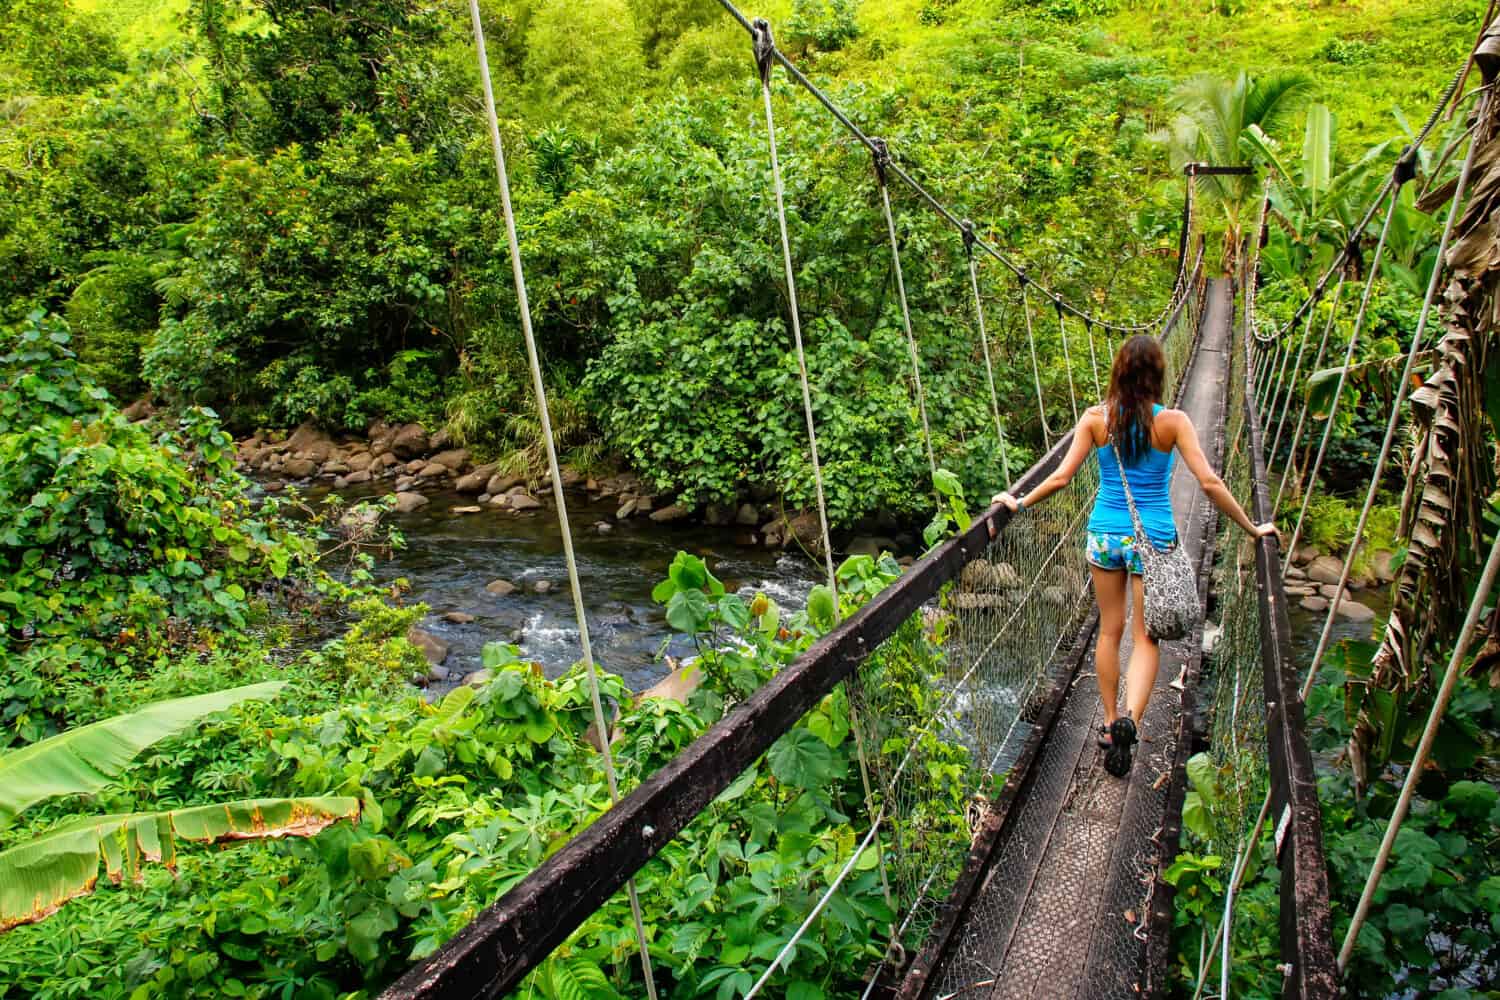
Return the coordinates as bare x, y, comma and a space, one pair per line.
139, 410
806, 530
643, 504
357, 476
1355, 611
383, 461
306, 435
409, 441
541, 586
299, 468
458, 617
359, 460
603, 527
1325, 569
335, 467
404, 483
501, 484
1055, 595
1313, 602
872, 545
718, 515
668, 514
466, 509
1383, 565
978, 575
1007, 577
521, 501
571, 477
501, 588
1295, 573
1300, 590
479, 678
439, 673
476, 481
773, 532
625, 509
453, 459
1306, 554
407, 502
1329, 590
746, 539
433, 470
274, 486
435, 649
747, 516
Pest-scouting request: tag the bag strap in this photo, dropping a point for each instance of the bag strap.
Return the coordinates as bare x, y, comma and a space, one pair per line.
1135, 515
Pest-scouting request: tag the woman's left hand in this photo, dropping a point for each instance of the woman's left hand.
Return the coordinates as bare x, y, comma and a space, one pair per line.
1010, 503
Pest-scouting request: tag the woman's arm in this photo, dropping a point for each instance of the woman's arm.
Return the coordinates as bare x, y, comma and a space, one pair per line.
1213, 486
1078, 450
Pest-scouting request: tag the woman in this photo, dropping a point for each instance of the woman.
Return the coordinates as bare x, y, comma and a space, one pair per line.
1146, 435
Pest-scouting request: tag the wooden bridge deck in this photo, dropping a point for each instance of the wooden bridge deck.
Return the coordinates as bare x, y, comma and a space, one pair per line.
1062, 909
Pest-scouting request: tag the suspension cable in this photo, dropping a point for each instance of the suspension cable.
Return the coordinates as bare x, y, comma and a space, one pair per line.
559, 498
1062, 328
1394, 419
1036, 371
901, 174
1338, 391
1417, 769
882, 162
984, 343
1302, 414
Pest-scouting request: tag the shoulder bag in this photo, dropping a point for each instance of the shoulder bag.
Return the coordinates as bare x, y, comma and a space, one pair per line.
1172, 609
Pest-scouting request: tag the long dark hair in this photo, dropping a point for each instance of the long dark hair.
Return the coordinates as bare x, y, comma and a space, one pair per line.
1134, 387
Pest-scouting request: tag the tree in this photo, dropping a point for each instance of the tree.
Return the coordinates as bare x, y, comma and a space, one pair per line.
1214, 123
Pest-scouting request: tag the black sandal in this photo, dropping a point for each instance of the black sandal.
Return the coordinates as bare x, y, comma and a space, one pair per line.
1104, 743
1122, 739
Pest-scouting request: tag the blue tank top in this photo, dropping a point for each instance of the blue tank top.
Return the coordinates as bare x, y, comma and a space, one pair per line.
1150, 483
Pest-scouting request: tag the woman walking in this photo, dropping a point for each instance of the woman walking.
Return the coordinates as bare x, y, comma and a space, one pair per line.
1131, 425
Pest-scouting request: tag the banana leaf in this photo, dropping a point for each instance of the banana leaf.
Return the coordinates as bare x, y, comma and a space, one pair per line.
39, 876
86, 759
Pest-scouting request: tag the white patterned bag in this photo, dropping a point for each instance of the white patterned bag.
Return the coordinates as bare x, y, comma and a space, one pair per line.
1172, 609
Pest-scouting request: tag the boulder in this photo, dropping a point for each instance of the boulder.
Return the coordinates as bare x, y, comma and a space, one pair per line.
404, 483
501, 588
1306, 554
475, 481
1383, 565
1055, 595
383, 461
439, 441
1313, 602
1329, 590
643, 504
458, 617
439, 673
668, 514
409, 441
806, 530
335, 467
718, 515
453, 459
139, 410
976, 576
747, 516
520, 501
746, 539
359, 461
299, 468
501, 484
873, 545
467, 509
625, 510
773, 532
414, 467
479, 678
1355, 611
304, 437
357, 476
407, 502
571, 477
435, 649
434, 470
1295, 573
1007, 577
1325, 569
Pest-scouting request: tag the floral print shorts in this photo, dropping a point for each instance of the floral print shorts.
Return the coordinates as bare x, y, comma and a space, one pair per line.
1112, 552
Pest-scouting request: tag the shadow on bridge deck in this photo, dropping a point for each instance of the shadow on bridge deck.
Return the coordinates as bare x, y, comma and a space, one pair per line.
1062, 911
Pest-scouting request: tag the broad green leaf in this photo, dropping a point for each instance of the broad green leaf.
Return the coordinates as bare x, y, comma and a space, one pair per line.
801, 759
820, 607
688, 611
85, 759
42, 874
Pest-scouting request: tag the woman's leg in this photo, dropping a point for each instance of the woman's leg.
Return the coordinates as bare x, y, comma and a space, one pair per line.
1144, 656
1109, 591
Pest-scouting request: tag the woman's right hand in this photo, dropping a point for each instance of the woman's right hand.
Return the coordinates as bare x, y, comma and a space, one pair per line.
1009, 502
1264, 530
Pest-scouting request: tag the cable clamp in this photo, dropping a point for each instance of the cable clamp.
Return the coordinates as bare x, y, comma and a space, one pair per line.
1022, 278
882, 156
1406, 166
1057, 303
764, 46
966, 227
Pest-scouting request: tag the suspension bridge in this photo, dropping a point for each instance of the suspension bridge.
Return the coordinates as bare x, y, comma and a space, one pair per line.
1052, 884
